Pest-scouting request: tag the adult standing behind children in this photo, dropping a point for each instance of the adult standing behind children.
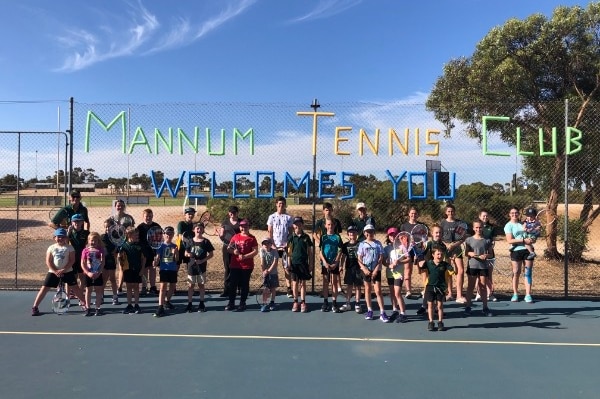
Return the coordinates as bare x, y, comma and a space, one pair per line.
243, 247
63, 216
279, 226
515, 237
230, 226
362, 220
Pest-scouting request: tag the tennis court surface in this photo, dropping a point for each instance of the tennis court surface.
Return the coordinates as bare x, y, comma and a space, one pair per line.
548, 349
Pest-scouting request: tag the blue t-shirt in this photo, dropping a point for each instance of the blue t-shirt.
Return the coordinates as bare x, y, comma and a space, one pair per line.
166, 257
331, 245
369, 253
518, 232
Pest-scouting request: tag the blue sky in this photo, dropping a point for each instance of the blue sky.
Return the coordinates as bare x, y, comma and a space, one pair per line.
250, 51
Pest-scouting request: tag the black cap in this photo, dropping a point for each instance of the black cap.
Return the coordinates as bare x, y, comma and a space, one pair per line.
189, 210
233, 209
75, 194
530, 212
298, 219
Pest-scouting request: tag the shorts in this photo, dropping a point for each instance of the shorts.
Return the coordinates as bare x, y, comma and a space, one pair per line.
197, 278
194, 269
434, 294
52, 280
182, 257
167, 276
77, 267
353, 277
394, 282
110, 265
97, 282
300, 272
271, 280
376, 278
132, 276
520, 255
478, 272
326, 272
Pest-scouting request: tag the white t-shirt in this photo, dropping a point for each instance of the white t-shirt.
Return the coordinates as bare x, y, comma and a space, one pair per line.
60, 254
281, 225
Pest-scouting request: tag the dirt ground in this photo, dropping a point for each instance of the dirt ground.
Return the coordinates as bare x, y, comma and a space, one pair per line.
549, 276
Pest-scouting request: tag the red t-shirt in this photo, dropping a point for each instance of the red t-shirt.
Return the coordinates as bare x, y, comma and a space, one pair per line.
245, 245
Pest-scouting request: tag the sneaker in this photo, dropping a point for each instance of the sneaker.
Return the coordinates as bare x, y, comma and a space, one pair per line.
384, 318
169, 305
289, 293
35, 311
153, 291
492, 298
303, 307
136, 309
394, 314
369, 315
296, 307
345, 307
449, 298
264, 308
189, 308
88, 313
325, 307
462, 299
514, 298
115, 300
358, 309
241, 307
128, 309
160, 312
431, 326
98, 312
144, 291
120, 291
441, 326
421, 311
531, 256
201, 307
468, 311
229, 307
528, 299
335, 309
477, 298
272, 306
486, 312
401, 318
408, 295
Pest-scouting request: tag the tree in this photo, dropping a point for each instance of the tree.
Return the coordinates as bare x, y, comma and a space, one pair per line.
525, 70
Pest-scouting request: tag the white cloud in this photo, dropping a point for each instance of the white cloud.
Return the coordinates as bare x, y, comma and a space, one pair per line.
326, 9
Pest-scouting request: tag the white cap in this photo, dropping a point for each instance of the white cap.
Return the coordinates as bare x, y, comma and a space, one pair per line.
369, 227
360, 205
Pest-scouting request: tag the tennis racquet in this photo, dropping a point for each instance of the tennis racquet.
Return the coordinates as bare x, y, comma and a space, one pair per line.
187, 240
154, 237
420, 235
116, 234
460, 234
209, 226
61, 215
263, 293
503, 268
60, 300
403, 244
124, 220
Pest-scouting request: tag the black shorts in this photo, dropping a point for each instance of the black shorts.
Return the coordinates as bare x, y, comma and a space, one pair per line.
77, 267
353, 277
373, 278
110, 265
52, 280
520, 255
326, 272
97, 282
167, 276
478, 272
132, 276
434, 294
182, 257
300, 272
392, 282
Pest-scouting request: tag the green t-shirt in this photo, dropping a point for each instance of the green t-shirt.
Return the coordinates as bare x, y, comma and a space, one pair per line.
298, 246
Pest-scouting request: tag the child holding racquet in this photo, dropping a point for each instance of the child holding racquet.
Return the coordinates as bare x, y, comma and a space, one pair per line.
532, 227
351, 269
110, 264
478, 251
436, 287
269, 257
92, 263
453, 236
149, 277
330, 252
60, 258
300, 249
199, 252
370, 259
78, 238
409, 225
166, 261
132, 261
395, 262
243, 247
435, 242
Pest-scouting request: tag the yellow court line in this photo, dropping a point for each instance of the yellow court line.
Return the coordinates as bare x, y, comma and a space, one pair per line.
292, 338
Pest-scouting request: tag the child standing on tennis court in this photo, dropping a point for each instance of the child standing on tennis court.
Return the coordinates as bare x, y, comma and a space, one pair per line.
92, 263
269, 258
60, 258
435, 242
132, 261
330, 252
166, 262
351, 269
78, 238
478, 251
199, 252
395, 264
110, 264
300, 249
149, 277
370, 259
532, 227
243, 247
436, 287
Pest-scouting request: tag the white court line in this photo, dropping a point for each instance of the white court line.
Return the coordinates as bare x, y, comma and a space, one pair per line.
286, 338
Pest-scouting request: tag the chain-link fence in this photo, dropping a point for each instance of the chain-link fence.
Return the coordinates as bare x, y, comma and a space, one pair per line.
390, 156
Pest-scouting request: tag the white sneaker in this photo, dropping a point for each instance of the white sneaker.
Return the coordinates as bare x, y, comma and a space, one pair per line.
462, 299
345, 307
492, 298
477, 298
